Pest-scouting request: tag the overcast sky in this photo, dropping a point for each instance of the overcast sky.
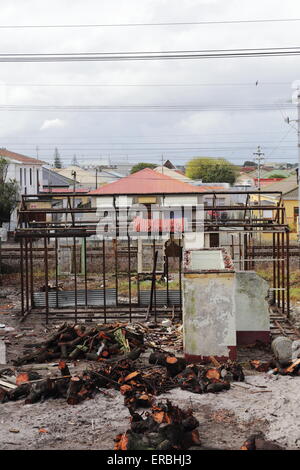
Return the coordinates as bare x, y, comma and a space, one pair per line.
146, 136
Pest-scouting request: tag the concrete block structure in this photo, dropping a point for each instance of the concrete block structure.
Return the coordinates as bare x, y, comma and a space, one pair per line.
209, 315
222, 308
252, 310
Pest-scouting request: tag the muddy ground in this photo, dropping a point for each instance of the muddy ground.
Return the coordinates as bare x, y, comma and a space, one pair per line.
263, 403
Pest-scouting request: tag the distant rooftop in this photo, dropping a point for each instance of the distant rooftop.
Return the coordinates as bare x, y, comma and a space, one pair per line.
19, 157
148, 181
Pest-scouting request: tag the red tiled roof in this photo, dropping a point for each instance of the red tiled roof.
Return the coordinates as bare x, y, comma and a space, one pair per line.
148, 181
19, 157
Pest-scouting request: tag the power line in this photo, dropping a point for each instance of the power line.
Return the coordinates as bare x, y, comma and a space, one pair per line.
171, 149
161, 144
143, 136
150, 108
170, 23
249, 84
151, 55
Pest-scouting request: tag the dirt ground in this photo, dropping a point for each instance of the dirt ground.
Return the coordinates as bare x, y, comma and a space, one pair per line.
263, 403
226, 419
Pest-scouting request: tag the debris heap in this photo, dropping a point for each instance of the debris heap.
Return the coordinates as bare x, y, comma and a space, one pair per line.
165, 427
76, 342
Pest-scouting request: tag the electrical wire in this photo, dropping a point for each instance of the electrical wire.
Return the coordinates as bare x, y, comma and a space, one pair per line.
169, 23
151, 55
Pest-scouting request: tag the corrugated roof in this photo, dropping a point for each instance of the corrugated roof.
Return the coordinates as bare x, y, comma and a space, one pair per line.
148, 181
285, 185
19, 157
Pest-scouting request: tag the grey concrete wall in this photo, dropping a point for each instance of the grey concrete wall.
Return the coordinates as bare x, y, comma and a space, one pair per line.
209, 314
252, 313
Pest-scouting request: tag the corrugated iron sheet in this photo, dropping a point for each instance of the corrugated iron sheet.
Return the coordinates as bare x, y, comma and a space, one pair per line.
66, 298
161, 297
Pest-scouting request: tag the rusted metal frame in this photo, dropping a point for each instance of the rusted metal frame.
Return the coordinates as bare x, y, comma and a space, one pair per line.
274, 266
72, 209
167, 275
56, 270
253, 250
87, 231
117, 271
279, 205
31, 274
28, 197
26, 276
104, 278
180, 280
55, 315
278, 270
85, 271
138, 288
283, 272
22, 277
288, 272
232, 247
129, 276
64, 210
46, 278
124, 312
246, 204
245, 253
94, 210
154, 279
75, 278
240, 251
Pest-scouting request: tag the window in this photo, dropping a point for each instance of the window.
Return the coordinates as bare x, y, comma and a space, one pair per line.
30, 176
24, 176
37, 179
296, 213
21, 179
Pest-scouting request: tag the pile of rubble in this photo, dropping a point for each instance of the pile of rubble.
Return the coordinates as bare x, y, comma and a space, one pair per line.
166, 427
126, 358
76, 342
118, 357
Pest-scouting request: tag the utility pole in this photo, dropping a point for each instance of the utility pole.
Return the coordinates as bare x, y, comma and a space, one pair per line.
298, 173
259, 157
289, 121
162, 163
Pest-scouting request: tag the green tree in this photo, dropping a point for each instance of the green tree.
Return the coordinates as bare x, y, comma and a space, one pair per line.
9, 193
57, 159
141, 166
211, 170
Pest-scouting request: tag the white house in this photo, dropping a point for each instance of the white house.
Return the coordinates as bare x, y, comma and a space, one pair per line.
27, 171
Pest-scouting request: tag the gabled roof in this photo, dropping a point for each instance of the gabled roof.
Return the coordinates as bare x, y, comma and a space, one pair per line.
20, 158
84, 177
52, 178
176, 174
148, 181
285, 185
280, 173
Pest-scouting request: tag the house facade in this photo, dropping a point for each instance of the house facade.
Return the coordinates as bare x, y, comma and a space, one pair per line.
158, 194
27, 172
